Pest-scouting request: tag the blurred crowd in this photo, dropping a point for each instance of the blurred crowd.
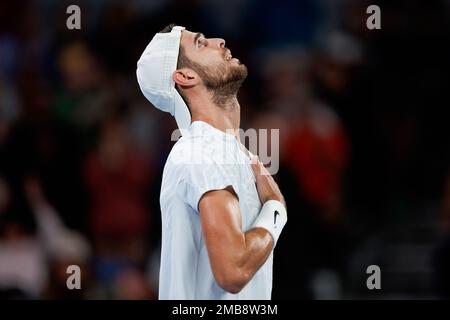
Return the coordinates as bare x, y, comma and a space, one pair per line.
364, 141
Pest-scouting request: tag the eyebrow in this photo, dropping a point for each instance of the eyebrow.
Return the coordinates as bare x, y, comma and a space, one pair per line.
198, 35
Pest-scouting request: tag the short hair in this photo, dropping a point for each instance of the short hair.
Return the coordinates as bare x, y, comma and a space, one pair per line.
168, 28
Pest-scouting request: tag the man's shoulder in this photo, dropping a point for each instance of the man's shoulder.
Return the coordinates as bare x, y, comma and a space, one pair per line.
198, 150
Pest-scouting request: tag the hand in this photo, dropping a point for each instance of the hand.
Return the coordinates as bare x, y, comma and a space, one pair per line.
265, 184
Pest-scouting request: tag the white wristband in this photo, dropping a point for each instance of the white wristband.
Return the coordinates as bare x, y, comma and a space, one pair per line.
273, 217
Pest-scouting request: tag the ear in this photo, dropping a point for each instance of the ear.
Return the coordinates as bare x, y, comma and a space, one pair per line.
185, 77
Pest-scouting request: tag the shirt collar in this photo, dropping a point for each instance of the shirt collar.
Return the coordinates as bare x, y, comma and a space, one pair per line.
201, 128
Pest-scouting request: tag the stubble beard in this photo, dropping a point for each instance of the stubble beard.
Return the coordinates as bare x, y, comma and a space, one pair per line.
223, 81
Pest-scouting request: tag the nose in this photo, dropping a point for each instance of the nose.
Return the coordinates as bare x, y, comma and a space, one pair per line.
220, 42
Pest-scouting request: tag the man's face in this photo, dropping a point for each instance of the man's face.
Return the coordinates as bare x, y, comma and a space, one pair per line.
211, 60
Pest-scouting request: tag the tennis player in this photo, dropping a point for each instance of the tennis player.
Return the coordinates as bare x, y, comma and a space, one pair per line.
222, 212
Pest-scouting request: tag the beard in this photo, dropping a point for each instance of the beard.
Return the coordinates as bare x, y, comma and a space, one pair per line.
223, 80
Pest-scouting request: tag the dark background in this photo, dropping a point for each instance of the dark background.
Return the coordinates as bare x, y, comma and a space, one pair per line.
364, 143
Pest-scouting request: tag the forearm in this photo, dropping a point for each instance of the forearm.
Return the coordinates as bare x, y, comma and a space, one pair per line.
257, 248
258, 242
253, 251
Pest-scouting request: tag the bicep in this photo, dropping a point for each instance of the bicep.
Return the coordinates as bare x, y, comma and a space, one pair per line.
222, 228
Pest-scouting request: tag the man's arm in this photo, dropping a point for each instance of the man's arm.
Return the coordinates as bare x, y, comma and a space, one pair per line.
235, 256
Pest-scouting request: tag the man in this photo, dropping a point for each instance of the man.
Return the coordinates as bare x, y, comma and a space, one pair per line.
222, 213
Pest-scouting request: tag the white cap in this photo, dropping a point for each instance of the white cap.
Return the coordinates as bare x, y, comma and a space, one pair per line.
154, 74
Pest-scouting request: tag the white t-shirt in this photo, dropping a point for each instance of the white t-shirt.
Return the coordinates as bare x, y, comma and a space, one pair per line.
204, 159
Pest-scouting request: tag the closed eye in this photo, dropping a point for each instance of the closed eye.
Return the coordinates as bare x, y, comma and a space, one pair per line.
199, 40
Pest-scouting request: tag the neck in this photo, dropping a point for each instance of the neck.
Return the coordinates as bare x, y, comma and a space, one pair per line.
224, 115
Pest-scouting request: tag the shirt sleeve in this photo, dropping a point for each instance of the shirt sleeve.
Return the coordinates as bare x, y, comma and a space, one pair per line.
199, 178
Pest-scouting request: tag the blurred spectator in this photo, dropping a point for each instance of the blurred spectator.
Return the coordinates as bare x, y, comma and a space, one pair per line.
317, 150
315, 144
34, 262
40, 144
63, 247
23, 268
117, 178
132, 285
82, 99
314, 155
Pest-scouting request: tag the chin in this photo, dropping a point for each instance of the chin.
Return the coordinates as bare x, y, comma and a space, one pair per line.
241, 66
240, 71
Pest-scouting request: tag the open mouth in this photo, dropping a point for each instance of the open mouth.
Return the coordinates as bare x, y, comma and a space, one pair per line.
228, 56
